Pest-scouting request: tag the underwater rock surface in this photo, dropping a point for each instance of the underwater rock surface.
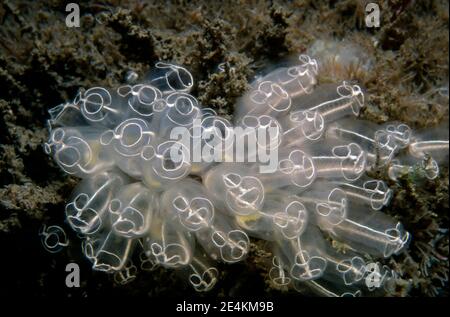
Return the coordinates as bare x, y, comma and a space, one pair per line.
407, 81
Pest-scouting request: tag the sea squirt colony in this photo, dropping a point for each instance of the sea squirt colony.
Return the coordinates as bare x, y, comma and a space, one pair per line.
180, 214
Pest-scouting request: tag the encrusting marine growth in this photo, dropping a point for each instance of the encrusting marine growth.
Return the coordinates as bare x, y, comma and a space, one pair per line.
141, 191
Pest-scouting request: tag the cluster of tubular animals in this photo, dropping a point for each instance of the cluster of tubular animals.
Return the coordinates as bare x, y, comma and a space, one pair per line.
182, 214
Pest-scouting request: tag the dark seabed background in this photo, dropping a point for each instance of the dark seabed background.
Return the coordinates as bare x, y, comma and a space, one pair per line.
43, 63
